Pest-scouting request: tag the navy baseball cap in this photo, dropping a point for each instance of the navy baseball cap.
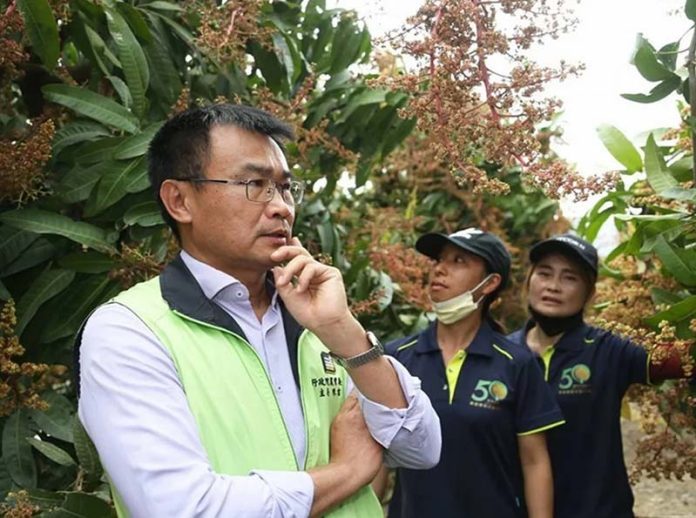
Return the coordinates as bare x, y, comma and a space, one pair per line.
569, 243
476, 241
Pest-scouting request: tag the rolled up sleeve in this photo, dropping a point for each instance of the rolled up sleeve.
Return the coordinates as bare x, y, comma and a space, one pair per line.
411, 436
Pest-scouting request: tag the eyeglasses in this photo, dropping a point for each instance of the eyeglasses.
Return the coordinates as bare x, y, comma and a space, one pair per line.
262, 190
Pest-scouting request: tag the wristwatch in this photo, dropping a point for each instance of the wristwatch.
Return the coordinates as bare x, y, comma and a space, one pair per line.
372, 353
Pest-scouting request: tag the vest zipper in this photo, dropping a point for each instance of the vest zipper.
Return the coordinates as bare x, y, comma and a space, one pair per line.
258, 358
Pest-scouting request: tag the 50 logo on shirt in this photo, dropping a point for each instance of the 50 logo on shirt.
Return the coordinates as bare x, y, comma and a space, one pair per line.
574, 380
488, 394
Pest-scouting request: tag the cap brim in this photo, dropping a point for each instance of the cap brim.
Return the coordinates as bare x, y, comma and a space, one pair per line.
546, 247
432, 244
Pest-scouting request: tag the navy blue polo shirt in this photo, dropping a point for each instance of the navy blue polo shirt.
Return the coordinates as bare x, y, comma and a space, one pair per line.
499, 394
589, 371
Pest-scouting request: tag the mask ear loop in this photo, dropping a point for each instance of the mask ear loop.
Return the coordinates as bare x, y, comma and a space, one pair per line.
479, 285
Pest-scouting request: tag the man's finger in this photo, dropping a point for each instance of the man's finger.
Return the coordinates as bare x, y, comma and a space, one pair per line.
293, 269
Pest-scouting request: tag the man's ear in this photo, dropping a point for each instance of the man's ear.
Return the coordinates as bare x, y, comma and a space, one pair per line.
175, 196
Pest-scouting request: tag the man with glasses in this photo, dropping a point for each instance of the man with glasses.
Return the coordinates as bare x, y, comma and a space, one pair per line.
221, 387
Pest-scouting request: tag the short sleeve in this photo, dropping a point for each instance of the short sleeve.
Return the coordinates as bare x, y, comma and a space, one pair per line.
536, 407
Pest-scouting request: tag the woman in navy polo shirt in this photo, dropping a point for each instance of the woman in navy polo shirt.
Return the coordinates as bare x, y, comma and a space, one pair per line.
489, 393
589, 370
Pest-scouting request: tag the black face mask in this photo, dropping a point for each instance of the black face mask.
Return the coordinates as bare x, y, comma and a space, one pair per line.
553, 326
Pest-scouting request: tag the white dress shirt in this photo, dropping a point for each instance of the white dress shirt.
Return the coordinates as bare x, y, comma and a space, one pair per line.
133, 406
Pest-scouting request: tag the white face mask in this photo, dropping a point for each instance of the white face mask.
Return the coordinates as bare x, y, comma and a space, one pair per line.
454, 309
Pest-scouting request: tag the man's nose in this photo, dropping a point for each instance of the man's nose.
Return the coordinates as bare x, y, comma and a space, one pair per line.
278, 205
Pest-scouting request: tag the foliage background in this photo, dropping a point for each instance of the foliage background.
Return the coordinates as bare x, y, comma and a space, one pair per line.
85, 84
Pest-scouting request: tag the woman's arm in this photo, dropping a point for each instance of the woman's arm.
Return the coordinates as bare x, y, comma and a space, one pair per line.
536, 469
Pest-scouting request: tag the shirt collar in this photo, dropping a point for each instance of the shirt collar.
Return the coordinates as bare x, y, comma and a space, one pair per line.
215, 283
570, 341
482, 344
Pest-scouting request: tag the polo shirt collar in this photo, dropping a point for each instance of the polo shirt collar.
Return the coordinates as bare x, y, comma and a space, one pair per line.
482, 344
570, 341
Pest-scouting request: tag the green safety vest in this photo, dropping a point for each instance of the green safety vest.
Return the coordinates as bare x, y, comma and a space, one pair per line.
234, 403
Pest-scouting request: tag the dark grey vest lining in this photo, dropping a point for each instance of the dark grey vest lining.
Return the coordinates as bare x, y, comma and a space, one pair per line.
182, 293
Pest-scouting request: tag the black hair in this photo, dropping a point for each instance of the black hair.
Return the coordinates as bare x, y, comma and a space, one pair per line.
489, 299
180, 149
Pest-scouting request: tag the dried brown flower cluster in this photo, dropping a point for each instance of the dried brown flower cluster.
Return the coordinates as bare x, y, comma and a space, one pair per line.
20, 506
383, 230
558, 179
369, 306
20, 383
470, 108
294, 112
662, 453
225, 29
643, 195
137, 263
22, 163
11, 51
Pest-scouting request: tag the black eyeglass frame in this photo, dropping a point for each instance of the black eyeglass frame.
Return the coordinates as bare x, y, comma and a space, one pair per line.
276, 188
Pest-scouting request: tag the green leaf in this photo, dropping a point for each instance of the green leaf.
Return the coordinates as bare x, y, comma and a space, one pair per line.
114, 184
6, 483
346, 45
87, 262
92, 105
679, 193
77, 184
135, 21
49, 284
647, 63
89, 506
4, 295
95, 152
386, 287
681, 311
75, 132
362, 99
57, 419
85, 450
690, 9
137, 145
132, 57
12, 244
122, 90
16, 452
99, 50
678, 262
660, 296
39, 251
162, 6
327, 237
42, 29
80, 299
649, 217
661, 91
146, 214
45, 222
52, 451
668, 55
620, 148
45, 499
659, 176
164, 77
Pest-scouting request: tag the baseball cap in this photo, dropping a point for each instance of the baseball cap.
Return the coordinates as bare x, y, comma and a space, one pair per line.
476, 241
576, 246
